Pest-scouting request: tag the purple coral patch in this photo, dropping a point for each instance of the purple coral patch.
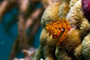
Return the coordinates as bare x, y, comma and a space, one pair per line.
86, 8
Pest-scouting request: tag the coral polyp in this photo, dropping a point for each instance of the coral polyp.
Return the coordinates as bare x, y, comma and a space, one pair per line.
58, 29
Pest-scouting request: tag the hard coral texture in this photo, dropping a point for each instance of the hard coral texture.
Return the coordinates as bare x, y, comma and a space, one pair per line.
71, 41
72, 2
86, 47
47, 46
84, 28
78, 52
62, 55
76, 45
50, 14
75, 15
64, 8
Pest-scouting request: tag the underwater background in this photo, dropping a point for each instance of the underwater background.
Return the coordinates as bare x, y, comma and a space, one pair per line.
9, 34
44, 29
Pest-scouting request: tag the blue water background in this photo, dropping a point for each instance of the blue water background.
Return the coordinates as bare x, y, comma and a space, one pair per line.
7, 40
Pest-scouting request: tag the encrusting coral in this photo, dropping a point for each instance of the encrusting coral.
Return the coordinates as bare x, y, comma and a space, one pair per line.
72, 2
75, 46
71, 41
78, 52
69, 44
50, 14
62, 55
84, 28
64, 8
75, 15
86, 47
47, 44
